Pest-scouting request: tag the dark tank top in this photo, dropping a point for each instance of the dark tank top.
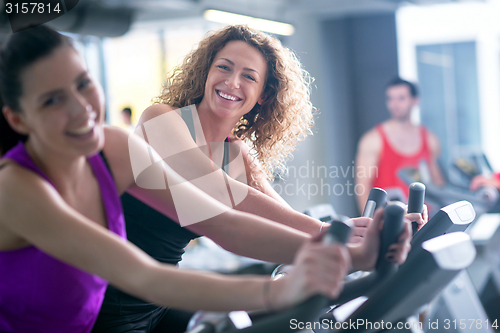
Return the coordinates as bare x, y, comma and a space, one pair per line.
158, 235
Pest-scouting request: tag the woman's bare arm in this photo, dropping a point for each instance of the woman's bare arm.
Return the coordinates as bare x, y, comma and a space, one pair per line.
236, 231
276, 243
48, 223
189, 161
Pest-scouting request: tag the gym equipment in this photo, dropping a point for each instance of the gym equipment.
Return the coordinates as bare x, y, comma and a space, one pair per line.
455, 217
376, 198
483, 200
416, 283
211, 322
475, 293
416, 198
452, 218
323, 212
460, 302
326, 213
393, 226
471, 166
430, 266
441, 259
485, 270
315, 306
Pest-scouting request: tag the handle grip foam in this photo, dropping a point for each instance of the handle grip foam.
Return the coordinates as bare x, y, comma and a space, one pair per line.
339, 232
376, 199
416, 198
393, 226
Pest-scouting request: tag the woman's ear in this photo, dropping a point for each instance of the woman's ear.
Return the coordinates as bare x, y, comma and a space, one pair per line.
15, 120
262, 98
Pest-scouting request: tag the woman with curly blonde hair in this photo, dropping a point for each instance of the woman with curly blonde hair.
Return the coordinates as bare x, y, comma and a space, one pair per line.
274, 127
243, 88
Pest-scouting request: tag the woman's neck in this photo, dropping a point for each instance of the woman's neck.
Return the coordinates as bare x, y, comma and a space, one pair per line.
215, 129
66, 173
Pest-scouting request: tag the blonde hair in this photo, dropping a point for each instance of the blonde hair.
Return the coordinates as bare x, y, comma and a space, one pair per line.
274, 128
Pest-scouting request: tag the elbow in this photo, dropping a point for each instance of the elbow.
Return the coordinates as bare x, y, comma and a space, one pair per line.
227, 232
220, 228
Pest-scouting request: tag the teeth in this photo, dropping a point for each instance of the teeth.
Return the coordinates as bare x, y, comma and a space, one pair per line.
84, 130
225, 96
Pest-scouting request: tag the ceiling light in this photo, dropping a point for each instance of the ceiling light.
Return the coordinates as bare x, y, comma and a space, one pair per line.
274, 27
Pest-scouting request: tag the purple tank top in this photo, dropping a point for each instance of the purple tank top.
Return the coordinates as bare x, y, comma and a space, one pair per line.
41, 294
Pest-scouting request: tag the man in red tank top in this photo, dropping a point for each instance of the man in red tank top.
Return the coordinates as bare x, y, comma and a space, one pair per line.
395, 144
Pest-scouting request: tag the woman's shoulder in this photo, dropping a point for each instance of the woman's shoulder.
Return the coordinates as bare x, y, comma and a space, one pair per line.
155, 110
14, 175
17, 184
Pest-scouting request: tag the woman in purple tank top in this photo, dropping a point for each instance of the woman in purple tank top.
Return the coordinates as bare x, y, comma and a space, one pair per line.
57, 201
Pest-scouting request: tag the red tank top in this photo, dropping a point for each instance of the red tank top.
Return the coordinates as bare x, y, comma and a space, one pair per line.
391, 162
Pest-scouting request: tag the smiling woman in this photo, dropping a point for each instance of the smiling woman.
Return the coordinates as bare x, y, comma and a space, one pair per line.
60, 130
280, 115
231, 88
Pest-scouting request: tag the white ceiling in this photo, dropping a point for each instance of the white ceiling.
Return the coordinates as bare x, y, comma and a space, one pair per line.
146, 10
113, 17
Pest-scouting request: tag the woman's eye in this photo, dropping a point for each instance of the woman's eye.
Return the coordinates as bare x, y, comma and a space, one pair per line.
250, 77
84, 84
223, 67
51, 101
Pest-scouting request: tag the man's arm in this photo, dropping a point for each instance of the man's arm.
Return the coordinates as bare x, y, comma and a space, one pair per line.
367, 159
435, 148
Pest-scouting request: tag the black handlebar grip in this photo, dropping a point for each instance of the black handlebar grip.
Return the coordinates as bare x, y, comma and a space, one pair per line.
416, 198
393, 226
339, 232
376, 199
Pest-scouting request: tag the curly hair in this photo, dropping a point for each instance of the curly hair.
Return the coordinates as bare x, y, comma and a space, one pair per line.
272, 129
